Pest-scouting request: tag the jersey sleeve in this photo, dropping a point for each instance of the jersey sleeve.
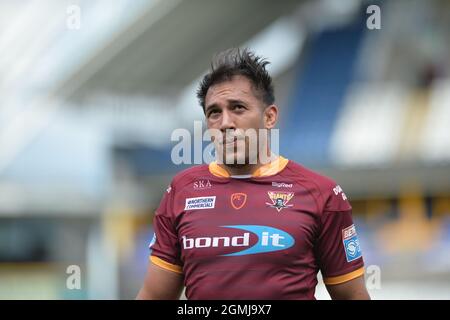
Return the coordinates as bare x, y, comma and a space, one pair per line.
338, 250
165, 247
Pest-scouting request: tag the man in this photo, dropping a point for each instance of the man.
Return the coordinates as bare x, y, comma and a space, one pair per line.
251, 229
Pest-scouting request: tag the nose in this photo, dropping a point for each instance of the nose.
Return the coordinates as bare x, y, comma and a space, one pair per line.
227, 122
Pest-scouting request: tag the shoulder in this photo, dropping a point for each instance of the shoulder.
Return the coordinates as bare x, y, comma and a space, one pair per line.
172, 199
327, 191
189, 175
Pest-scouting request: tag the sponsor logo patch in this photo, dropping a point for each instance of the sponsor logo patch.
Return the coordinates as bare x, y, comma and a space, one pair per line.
351, 243
199, 203
202, 185
281, 185
338, 190
269, 239
153, 241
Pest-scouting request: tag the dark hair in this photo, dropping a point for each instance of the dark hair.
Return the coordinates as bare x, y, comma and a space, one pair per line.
234, 62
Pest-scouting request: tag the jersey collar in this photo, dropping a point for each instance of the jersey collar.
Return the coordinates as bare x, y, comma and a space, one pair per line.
269, 169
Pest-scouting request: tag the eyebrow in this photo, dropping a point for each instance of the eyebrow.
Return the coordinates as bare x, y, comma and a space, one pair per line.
229, 101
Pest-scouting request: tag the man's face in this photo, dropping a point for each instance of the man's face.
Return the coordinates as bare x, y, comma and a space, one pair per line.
233, 107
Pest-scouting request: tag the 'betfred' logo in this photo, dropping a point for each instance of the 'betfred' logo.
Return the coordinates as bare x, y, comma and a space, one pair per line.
349, 232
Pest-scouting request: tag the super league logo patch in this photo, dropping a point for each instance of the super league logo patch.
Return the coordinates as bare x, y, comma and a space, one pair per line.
280, 199
351, 243
238, 200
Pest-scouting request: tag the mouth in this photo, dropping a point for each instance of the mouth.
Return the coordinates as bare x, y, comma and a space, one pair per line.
231, 141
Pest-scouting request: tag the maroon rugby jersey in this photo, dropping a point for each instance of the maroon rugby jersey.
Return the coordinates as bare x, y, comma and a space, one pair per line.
263, 236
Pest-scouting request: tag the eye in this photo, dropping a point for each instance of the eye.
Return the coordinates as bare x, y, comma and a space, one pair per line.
213, 112
238, 107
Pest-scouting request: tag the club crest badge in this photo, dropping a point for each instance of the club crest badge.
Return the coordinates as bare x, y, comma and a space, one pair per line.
280, 199
238, 200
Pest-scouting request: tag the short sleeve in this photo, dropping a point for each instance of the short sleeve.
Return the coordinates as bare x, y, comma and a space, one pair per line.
337, 248
165, 247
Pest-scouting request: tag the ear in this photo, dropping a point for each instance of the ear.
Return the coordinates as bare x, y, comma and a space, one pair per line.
270, 116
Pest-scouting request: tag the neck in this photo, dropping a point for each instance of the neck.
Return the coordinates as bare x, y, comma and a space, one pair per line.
246, 169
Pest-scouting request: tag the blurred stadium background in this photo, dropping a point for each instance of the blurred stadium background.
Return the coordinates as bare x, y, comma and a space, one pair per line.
86, 114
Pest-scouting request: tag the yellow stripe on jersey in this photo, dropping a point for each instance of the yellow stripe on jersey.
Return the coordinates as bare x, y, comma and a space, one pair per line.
166, 265
344, 278
269, 169
217, 170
